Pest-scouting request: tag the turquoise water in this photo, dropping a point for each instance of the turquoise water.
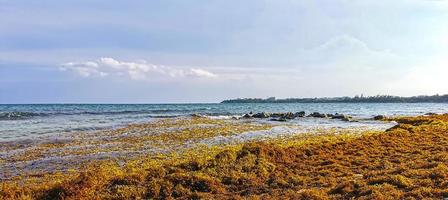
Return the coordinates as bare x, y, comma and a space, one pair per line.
27, 121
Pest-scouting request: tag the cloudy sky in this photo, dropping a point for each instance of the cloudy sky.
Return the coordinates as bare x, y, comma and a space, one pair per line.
100, 51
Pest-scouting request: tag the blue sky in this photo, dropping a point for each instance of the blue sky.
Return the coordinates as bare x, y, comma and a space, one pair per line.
98, 51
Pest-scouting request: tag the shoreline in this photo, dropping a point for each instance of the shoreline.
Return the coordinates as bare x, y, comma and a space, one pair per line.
200, 158
69, 151
25, 121
262, 117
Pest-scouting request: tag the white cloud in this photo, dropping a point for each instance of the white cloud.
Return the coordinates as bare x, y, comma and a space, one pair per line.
201, 73
140, 70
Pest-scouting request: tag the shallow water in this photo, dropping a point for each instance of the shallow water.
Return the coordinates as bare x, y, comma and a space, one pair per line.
30, 121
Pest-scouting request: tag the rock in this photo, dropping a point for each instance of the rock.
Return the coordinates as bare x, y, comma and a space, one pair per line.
197, 115
289, 115
379, 117
261, 115
247, 116
347, 119
276, 114
318, 115
300, 114
337, 116
323, 115
430, 114
236, 117
342, 117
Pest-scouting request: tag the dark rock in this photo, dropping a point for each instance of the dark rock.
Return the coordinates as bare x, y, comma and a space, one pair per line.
318, 115
289, 115
276, 114
379, 117
247, 116
261, 115
337, 116
342, 117
300, 114
196, 115
430, 114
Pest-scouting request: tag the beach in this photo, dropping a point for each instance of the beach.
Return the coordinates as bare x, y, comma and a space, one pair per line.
312, 100
205, 157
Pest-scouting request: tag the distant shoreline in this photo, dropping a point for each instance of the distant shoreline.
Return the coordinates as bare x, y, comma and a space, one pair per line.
356, 99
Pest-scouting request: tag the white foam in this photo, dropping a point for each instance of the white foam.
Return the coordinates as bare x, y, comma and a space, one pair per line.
290, 130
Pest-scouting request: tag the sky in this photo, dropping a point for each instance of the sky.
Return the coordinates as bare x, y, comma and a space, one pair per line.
185, 51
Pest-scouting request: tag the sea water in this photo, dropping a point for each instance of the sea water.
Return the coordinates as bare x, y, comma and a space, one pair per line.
32, 120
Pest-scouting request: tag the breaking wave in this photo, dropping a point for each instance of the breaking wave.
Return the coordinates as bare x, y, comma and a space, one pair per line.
19, 115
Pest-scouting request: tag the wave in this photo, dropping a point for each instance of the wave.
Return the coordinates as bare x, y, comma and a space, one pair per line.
160, 113
19, 115
221, 116
224, 115
165, 116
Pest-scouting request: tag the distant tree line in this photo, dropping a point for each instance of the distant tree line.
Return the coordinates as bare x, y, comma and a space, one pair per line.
357, 99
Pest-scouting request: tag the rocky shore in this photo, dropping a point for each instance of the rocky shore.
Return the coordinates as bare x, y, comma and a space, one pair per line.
285, 116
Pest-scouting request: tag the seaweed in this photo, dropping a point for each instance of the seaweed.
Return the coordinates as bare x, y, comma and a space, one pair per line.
408, 162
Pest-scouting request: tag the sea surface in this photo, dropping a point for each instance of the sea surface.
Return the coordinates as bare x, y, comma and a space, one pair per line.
32, 120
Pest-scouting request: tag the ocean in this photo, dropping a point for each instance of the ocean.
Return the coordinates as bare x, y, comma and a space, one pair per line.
36, 120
